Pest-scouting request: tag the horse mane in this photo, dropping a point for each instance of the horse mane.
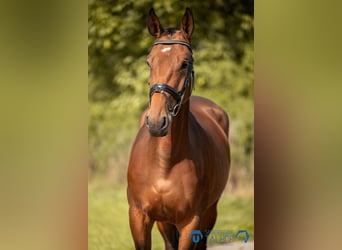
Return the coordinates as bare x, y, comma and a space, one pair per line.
170, 31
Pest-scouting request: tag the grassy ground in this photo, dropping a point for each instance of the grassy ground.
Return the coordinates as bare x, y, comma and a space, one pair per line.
108, 227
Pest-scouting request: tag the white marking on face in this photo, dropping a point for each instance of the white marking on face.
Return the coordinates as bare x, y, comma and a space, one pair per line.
166, 49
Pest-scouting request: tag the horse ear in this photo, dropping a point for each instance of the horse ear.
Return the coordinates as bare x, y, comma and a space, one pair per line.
154, 26
188, 24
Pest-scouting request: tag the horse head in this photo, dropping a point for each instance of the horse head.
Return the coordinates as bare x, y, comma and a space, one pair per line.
171, 72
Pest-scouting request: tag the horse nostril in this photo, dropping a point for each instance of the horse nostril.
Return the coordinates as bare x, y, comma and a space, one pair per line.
147, 121
164, 124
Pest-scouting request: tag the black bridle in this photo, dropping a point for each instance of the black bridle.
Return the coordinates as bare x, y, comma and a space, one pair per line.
164, 88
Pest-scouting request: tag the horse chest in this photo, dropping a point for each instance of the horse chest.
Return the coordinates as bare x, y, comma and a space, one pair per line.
166, 200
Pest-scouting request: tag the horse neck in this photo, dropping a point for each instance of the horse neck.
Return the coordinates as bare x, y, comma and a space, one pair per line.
179, 131
173, 147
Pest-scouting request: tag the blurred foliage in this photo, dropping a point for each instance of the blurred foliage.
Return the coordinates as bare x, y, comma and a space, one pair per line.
118, 43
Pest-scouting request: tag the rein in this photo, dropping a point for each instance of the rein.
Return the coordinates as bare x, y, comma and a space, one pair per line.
164, 88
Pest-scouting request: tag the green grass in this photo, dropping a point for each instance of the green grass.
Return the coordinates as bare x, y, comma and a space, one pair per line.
108, 227
235, 213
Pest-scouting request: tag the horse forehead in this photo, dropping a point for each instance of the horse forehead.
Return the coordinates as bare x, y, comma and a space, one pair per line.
178, 51
165, 49
167, 53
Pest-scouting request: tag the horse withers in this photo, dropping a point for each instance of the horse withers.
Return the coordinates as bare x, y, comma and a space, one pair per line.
180, 159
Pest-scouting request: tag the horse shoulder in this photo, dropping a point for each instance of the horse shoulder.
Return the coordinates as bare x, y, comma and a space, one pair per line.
205, 110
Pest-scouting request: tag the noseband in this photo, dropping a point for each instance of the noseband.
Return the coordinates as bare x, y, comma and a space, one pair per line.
164, 88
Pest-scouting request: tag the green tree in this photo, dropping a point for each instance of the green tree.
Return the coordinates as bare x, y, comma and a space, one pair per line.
118, 43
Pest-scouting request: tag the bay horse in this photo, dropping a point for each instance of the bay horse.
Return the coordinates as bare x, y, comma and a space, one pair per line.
180, 159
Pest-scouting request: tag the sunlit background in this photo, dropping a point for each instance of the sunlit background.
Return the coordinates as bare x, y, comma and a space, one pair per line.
43, 128
118, 44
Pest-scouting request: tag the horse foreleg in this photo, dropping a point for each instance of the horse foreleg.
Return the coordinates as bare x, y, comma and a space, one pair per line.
207, 224
185, 242
141, 226
170, 235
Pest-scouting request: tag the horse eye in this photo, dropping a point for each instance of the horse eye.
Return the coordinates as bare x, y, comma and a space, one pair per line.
148, 64
184, 65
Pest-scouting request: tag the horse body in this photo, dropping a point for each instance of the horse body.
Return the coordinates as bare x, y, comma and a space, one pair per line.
184, 176
178, 168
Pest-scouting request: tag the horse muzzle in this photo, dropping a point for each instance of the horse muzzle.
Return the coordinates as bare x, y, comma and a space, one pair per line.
159, 127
